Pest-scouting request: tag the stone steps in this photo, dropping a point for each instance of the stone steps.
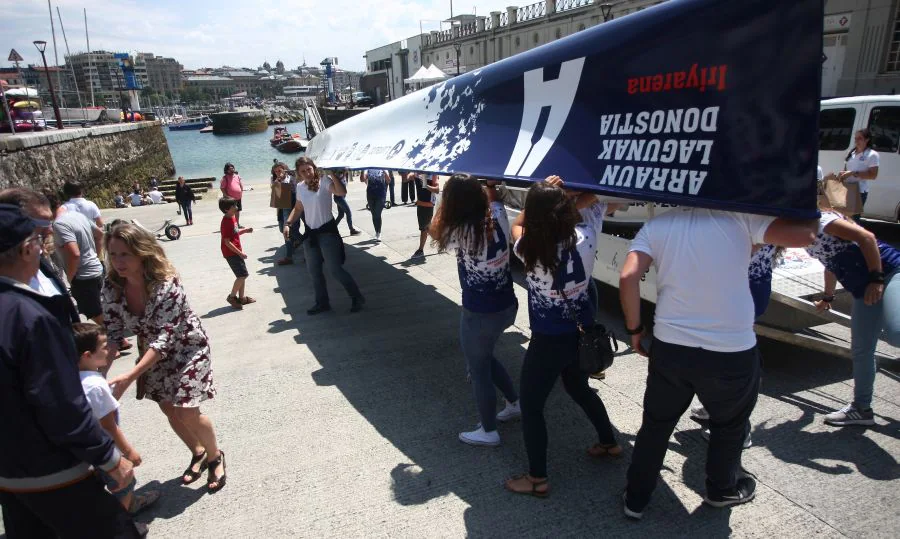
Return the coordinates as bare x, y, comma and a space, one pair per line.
198, 185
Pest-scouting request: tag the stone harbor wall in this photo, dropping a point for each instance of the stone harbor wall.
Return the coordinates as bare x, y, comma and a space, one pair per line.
104, 159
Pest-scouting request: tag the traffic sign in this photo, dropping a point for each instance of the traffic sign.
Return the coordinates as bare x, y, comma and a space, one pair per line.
15, 56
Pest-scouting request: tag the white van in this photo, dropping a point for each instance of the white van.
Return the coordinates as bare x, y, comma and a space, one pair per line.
839, 120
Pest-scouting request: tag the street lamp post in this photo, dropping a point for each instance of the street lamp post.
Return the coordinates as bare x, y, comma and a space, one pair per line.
41, 47
606, 9
457, 46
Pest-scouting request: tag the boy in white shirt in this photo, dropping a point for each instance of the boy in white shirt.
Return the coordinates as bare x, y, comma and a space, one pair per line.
90, 341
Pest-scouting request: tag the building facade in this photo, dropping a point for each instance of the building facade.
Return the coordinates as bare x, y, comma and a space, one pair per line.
388, 66
861, 42
861, 54
163, 74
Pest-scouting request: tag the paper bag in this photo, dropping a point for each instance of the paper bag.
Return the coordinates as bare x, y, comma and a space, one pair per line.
843, 197
281, 196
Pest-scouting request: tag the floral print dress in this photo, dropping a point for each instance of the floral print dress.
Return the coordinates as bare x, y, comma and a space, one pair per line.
183, 374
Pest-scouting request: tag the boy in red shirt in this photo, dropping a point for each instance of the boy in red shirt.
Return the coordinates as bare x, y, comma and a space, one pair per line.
231, 250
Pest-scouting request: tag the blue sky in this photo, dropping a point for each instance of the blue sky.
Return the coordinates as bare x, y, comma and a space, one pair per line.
207, 33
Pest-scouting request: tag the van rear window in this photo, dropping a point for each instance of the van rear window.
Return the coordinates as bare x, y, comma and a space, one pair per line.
836, 128
884, 124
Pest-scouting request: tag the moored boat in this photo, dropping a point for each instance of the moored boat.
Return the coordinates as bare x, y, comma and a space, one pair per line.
293, 145
185, 124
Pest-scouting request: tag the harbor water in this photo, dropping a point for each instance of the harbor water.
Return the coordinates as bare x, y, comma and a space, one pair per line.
199, 155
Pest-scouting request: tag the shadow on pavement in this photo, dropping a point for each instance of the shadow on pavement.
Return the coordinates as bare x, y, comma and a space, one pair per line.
174, 498
404, 373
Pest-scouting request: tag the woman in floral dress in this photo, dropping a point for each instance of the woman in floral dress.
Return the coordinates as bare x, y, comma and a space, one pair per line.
142, 293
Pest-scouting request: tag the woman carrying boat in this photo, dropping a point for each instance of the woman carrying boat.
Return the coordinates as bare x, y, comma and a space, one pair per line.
472, 222
867, 268
340, 174
185, 197
376, 181
556, 237
283, 180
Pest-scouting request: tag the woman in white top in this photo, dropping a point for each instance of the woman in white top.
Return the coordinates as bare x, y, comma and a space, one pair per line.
861, 166
323, 245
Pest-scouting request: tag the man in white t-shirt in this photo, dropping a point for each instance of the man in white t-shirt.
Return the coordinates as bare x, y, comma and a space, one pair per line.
74, 193
703, 339
156, 196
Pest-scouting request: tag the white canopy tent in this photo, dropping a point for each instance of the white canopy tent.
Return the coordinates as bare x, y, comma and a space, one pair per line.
417, 76
434, 74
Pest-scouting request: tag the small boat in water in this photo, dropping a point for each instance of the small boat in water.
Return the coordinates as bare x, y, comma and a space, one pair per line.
207, 129
185, 124
293, 145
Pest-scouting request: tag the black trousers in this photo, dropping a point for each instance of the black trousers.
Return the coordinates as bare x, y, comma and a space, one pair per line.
549, 357
408, 192
727, 384
82, 510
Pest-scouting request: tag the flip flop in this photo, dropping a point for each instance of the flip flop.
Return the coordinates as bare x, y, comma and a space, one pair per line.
247, 299
143, 501
534, 485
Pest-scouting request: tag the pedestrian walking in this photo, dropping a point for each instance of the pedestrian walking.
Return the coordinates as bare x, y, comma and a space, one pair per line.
323, 244
185, 197
867, 268
472, 224
233, 186
341, 202
426, 197
556, 237
48, 437
376, 181
701, 345
142, 293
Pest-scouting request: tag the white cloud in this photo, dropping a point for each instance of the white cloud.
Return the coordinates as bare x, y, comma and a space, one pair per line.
210, 33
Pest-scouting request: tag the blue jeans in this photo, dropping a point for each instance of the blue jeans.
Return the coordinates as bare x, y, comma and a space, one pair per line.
376, 206
294, 233
327, 249
343, 209
478, 334
867, 325
186, 210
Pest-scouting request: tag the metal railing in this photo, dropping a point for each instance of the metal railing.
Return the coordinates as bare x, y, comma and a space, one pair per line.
534, 11
566, 5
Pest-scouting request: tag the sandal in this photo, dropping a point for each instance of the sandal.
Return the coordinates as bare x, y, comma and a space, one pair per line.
247, 300
234, 302
143, 501
599, 451
219, 481
192, 474
534, 486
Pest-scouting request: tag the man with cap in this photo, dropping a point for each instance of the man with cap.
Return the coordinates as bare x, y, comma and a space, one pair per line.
49, 439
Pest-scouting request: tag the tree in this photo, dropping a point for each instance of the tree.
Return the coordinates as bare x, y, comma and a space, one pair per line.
279, 67
267, 67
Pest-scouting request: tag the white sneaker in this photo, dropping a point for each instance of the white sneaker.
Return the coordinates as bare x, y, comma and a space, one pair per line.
378, 236
699, 413
479, 437
512, 411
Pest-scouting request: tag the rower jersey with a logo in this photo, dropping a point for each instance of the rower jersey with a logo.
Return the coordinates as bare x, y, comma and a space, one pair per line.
845, 259
485, 279
548, 310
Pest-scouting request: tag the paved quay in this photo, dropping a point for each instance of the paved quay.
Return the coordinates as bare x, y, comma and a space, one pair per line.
345, 425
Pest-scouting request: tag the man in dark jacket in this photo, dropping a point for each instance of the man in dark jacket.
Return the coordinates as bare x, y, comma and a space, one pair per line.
50, 279
49, 438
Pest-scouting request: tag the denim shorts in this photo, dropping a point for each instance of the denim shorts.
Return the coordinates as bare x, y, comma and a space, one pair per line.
111, 484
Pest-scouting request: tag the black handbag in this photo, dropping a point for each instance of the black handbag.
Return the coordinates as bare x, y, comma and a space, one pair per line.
597, 346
